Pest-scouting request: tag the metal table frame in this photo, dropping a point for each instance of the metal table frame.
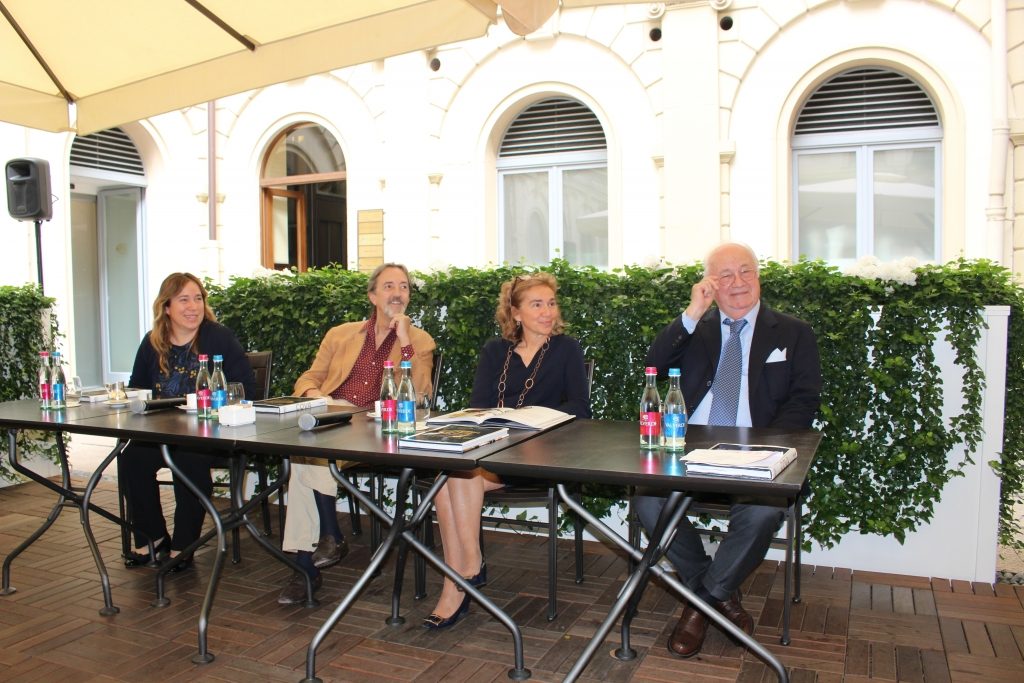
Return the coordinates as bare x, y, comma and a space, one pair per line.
607, 452
332, 445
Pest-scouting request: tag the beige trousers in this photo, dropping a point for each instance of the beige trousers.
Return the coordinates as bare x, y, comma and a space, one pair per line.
302, 521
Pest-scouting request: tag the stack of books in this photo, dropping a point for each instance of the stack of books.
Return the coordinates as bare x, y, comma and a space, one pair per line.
746, 461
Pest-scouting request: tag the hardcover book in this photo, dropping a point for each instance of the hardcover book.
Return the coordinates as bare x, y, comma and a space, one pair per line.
458, 438
288, 404
529, 417
748, 461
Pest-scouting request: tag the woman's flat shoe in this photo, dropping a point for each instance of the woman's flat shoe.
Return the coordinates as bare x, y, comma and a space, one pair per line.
477, 581
133, 559
436, 622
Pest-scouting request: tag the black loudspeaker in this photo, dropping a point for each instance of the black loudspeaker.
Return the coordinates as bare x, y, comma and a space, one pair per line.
28, 189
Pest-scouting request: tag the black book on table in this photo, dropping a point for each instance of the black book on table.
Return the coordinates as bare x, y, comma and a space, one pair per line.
459, 438
288, 404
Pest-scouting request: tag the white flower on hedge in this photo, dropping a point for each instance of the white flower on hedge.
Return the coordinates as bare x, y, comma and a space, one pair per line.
260, 271
871, 268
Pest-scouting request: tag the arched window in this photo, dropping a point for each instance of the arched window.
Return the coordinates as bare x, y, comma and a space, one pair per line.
553, 185
304, 200
867, 152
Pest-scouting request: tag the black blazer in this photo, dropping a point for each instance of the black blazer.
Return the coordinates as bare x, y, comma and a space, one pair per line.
786, 393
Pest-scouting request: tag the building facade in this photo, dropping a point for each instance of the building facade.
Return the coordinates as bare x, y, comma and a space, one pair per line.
613, 135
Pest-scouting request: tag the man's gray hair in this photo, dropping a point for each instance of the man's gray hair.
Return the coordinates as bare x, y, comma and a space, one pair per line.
749, 249
371, 284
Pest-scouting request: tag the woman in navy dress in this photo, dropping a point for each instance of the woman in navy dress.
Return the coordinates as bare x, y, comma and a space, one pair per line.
532, 363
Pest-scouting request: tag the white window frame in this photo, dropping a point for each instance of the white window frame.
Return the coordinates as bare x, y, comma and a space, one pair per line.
554, 165
865, 144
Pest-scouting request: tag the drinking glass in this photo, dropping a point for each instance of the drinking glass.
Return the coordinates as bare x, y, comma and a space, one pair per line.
115, 391
73, 392
236, 393
422, 410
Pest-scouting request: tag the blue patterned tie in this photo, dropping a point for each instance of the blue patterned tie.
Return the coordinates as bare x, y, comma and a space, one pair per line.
725, 390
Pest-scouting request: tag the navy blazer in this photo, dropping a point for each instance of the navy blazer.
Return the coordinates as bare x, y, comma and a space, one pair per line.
782, 394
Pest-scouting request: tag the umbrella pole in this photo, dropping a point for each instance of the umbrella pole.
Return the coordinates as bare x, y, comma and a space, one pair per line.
39, 254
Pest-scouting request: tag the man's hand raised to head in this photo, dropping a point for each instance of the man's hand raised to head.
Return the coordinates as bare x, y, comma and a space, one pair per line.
701, 296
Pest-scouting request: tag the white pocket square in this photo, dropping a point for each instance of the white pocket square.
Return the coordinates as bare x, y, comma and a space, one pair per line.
776, 356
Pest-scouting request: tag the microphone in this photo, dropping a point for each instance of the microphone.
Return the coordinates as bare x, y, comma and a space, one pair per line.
308, 421
139, 405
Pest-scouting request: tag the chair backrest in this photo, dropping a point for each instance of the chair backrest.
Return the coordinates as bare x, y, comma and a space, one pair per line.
588, 368
435, 377
261, 362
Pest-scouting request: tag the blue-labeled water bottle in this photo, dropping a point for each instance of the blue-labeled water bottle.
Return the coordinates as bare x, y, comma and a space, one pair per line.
406, 400
218, 385
57, 384
673, 415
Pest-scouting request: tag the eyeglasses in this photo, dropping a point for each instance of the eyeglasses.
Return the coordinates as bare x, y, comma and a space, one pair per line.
515, 283
727, 278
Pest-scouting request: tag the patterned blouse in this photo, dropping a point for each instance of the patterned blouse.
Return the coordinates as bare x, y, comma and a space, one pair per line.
181, 380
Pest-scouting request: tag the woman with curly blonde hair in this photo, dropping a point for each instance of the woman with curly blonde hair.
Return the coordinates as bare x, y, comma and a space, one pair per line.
532, 363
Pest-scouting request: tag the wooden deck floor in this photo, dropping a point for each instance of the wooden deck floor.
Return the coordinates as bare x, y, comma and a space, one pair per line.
850, 626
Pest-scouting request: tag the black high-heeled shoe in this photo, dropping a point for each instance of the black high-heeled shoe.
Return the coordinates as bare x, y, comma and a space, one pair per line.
436, 622
479, 580
133, 559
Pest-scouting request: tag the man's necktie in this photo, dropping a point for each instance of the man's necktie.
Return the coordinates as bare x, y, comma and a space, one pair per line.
725, 389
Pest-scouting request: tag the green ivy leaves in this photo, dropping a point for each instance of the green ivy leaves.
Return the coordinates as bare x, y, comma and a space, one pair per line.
884, 459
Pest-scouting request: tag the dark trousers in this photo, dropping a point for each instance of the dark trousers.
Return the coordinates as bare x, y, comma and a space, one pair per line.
751, 528
137, 468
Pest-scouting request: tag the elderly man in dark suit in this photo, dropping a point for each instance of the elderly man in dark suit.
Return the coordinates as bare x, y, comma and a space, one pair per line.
742, 364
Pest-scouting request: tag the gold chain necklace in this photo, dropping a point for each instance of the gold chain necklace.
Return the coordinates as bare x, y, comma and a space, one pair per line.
529, 380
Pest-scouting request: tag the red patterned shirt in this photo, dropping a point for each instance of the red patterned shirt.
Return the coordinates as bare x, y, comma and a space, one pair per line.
362, 386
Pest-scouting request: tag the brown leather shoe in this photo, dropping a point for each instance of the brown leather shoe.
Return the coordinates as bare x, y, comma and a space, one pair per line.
732, 609
688, 635
329, 551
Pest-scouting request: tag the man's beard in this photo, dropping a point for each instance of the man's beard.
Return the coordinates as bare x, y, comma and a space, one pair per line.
394, 307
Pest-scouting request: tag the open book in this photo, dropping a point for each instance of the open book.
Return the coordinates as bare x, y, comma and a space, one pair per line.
453, 437
748, 461
288, 404
529, 417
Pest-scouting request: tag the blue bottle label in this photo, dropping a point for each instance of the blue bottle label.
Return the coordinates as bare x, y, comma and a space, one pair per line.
673, 426
219, 398
406, 411
57, 392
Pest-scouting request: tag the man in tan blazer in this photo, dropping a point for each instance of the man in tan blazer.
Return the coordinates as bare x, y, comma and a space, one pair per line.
348, 369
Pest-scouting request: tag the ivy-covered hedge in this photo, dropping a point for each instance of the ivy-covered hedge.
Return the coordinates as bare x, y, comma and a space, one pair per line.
883, 460
27, 326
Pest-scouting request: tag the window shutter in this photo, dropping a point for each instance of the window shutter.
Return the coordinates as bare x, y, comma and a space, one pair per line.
107, 150
550, 126
866, 99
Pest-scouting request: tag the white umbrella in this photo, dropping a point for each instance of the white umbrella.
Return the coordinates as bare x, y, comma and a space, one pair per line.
124, 60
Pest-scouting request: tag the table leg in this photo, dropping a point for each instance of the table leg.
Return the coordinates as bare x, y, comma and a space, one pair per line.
404, 531
109, 609
203, 656
12, 457
634, 581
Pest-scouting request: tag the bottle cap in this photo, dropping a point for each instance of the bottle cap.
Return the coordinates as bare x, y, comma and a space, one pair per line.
44, 354
673, 372
407, 364
389, 364
218, 357
56, 354
651, 371
203, 358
